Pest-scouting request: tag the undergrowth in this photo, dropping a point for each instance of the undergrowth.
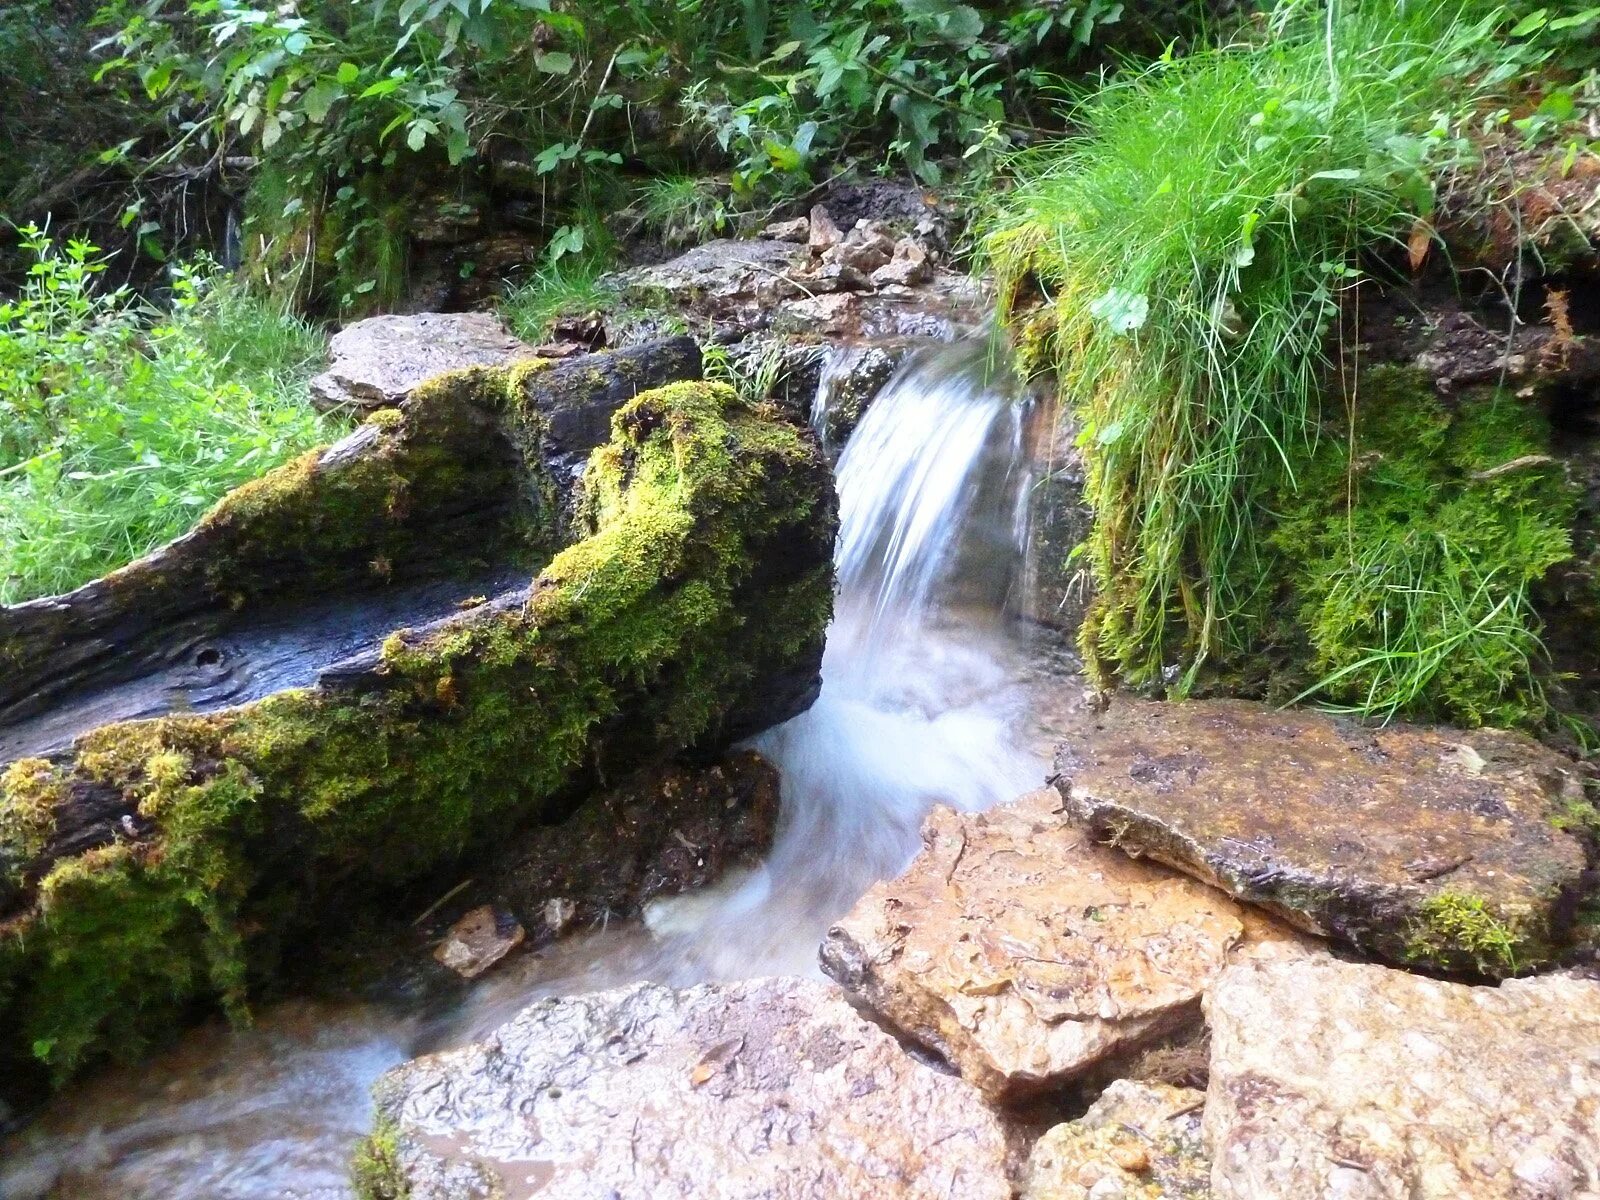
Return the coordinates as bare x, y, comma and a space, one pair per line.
121, 425
1180, 265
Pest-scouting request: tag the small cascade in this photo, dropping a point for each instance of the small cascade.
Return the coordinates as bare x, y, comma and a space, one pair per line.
923, 702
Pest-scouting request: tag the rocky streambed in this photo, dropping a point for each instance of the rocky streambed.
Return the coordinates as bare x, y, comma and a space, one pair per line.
1042, 1006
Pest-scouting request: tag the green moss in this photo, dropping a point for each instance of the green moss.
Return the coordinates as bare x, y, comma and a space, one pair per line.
639, 639
30, 788
375, 1168
1459, 931
1412, 542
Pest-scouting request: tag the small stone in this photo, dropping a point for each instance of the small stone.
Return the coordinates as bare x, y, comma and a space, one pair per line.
797, 230
909, 266
558, 914
865, 248
1109, 1188
1131, 1158
479, 940
823, 234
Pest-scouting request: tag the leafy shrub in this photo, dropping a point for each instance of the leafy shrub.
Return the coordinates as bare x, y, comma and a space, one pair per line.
119, 426
349, 104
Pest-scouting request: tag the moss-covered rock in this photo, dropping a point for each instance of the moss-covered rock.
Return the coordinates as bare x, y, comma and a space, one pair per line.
701, 573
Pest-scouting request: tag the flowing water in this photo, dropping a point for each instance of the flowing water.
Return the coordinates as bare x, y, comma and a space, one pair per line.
923, 701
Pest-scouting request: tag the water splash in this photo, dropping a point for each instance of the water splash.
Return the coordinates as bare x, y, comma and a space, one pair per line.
923, 702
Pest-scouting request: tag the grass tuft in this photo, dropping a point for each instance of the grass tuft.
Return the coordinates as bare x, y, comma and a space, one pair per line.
1180, 265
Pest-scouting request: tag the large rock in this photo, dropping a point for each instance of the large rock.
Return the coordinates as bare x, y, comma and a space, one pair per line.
1027, 955
1138, 1141
158, 864
378, 362
1336, 1081
773, 1089
1436, 847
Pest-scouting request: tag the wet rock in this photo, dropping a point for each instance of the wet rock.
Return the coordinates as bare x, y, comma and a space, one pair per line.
479, 940
769, 1088
1338, 1080
822, 234
1139, 1141
1059, 585
1429, 846
1026, 954
675, 829
836, 315
376, 363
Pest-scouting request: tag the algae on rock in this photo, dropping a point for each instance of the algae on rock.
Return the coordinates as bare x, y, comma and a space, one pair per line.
702, 573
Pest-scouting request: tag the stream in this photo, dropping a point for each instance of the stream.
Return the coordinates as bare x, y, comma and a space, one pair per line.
926, 699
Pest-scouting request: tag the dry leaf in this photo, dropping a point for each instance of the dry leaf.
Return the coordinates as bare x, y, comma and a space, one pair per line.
1418, 243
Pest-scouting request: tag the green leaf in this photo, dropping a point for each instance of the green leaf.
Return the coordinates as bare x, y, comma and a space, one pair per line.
416, 136
555, 62
782, 157
348, 73
382, 88
1531, 23
1122, 310
319, 99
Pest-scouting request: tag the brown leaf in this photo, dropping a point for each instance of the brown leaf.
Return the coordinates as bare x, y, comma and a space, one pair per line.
1418, 243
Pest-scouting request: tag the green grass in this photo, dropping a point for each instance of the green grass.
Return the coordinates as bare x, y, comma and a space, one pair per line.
683, 210
569, 287
1180, 264
120, 426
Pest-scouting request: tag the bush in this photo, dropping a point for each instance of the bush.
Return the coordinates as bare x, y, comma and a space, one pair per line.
350, 104
119, 425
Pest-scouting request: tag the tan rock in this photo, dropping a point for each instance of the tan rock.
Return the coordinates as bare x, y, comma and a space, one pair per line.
379, 361
908, 266
797, 230
1138, 1141
1026, 954
479, 940
772, 1089
824, 235
1341, 1081
1438, 847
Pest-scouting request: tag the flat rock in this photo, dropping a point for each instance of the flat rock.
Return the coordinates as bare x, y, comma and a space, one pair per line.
773, 1089
1138, 1141
1026, 954
1428, 846
377, 362
1358, 1082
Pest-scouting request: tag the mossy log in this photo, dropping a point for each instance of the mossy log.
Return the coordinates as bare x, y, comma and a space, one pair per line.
152, 866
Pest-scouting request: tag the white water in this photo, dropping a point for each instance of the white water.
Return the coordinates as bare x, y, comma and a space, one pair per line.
923, 702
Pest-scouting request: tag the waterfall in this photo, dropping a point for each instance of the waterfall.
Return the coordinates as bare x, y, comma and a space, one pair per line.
922, 690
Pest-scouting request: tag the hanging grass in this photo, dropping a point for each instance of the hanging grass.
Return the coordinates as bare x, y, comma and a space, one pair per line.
1179, 265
